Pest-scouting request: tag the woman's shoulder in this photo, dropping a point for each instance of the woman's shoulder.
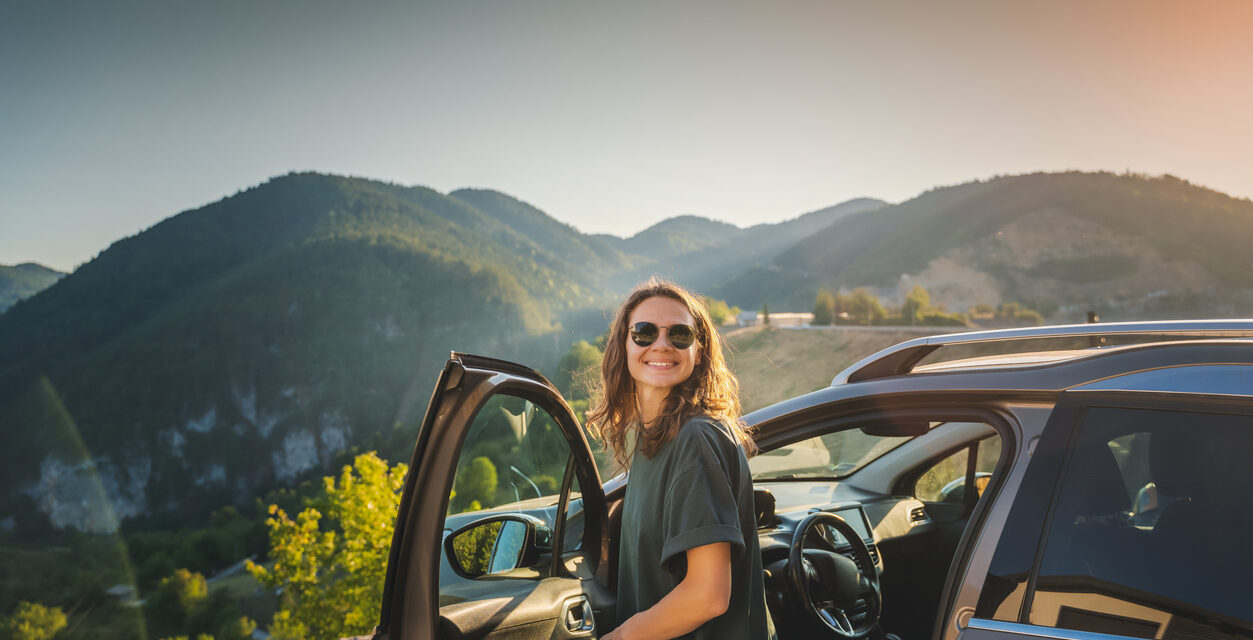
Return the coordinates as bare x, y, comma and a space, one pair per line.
708, 429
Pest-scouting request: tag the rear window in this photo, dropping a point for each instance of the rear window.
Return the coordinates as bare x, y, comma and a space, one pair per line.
1148, 534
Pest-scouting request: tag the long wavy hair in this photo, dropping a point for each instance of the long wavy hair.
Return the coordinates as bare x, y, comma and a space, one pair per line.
711, 390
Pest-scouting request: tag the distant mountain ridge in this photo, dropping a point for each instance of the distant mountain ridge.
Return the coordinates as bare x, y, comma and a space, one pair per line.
1121, 243
249, 343
23, 281
723, 249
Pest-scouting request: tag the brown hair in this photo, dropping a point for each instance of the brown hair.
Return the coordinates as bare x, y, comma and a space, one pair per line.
711, 390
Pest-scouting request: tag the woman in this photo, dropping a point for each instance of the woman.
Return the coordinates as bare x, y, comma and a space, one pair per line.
689, 560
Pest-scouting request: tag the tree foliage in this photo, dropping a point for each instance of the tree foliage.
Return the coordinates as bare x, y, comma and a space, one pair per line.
577, 369
476, 483
182, 606
864, 307
718, 310
1015, 313
332, 568
917, 302
824, 308
474, 547
33, 621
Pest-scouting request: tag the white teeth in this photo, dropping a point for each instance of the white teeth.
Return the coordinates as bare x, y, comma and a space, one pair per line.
660, 364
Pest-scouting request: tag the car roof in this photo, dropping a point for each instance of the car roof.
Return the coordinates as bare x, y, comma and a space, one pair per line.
1038, 375
906, 356
1204, 379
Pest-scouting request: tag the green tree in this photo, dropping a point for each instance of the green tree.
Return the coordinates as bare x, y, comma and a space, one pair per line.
476, 482
718, 310
864, 307
474, 547
332, 579
220, 614
843, 302
917, 303
1018, 314
824, 308
33, 621
577, 370
172, 602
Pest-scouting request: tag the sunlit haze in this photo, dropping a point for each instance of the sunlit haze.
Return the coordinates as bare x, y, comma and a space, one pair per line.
610, 116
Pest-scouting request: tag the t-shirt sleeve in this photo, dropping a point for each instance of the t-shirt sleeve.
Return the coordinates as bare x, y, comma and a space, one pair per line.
700, 507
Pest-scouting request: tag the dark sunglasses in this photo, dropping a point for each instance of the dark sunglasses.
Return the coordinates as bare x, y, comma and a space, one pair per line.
681, 336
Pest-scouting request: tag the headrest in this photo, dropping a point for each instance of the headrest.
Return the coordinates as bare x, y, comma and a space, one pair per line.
1097, 471
1176, 462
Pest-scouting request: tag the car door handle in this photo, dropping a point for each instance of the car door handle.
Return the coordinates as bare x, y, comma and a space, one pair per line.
578, 616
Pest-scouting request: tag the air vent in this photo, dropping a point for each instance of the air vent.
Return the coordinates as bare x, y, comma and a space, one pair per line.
874, 556
918, 515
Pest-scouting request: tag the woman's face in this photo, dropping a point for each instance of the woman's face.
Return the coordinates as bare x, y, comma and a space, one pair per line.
660, 366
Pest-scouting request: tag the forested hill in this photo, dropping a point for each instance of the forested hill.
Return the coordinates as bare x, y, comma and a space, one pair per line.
245, 343
23, 281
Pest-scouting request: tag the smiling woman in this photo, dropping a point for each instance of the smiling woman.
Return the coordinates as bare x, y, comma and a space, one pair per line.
689, 561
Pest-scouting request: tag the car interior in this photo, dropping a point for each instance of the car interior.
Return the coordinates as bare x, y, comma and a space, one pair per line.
902, 489
906, 494
899, 489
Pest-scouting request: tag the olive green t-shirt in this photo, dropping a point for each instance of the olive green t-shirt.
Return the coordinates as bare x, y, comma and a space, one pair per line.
696, 490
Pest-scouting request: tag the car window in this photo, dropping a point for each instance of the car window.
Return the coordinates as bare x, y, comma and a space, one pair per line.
511, 464
1148, 536
831, 455
514, 451
945, 481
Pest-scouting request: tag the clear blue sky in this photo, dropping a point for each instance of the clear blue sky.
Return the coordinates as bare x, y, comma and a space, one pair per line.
608, 115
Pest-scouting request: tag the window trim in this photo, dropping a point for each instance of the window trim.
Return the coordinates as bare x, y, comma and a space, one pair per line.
1037, 631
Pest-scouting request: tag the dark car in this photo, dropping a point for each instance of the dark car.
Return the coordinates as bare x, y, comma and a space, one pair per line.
1080, 482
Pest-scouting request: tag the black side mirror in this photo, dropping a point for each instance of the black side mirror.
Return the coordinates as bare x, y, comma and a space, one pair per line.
498, 544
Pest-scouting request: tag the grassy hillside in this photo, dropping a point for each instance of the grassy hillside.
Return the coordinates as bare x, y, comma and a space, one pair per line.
776, 364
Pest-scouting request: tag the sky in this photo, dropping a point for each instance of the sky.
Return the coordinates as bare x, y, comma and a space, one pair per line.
610, 116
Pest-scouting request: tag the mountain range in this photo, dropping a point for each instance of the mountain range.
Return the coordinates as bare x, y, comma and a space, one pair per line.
255, 341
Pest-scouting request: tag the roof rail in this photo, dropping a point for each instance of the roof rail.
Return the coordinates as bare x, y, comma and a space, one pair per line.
902, 358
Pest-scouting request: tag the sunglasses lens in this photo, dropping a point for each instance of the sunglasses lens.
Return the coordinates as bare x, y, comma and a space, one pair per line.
644, 333
682, 336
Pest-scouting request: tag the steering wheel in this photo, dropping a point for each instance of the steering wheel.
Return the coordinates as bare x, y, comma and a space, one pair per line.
828, 584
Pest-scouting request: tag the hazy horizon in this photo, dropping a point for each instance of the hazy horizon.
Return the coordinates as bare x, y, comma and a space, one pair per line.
607, 117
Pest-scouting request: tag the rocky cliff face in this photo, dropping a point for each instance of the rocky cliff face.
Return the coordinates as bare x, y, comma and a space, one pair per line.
92, 496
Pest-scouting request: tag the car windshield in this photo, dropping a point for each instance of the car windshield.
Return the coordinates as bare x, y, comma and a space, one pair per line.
832, 455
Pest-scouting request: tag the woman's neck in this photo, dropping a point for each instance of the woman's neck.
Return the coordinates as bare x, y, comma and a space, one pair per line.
649, 403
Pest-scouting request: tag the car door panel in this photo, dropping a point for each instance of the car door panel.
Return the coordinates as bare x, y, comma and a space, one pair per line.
522, 611
515, 608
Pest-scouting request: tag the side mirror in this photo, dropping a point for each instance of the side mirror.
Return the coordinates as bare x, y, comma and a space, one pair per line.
497, 545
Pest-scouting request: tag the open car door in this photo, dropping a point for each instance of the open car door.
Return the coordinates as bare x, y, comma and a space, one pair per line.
502, 528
